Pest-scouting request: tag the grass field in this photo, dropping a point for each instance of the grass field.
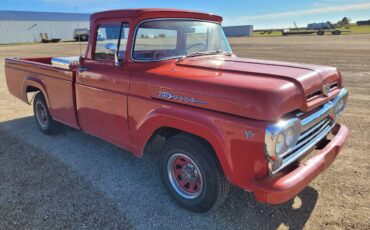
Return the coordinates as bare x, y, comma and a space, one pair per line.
355, 29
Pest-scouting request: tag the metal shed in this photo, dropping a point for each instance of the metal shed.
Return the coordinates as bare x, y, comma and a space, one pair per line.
24, 26
238, 31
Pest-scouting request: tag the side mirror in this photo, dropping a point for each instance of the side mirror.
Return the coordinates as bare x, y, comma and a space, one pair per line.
113, 49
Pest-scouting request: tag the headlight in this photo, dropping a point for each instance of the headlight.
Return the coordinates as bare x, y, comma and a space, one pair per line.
281, 138
280, 144
339, 107
340, 102
290, 137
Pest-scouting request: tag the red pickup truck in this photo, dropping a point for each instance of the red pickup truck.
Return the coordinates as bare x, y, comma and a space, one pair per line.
167, 81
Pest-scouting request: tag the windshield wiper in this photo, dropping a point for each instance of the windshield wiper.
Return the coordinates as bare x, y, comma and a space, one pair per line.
195, 54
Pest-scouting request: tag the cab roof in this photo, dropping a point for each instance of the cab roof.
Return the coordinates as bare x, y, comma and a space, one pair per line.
149, 13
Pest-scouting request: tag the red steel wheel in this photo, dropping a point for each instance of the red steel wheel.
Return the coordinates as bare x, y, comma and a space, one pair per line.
185, 176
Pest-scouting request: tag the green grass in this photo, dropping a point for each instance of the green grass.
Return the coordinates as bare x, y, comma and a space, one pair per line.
355, 29
272, 34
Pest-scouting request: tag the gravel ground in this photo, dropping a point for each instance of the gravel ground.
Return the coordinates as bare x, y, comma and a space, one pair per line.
39, 191
105, 184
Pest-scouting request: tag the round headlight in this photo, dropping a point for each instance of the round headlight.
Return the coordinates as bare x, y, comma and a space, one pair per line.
290, 137
339, 106
280, 144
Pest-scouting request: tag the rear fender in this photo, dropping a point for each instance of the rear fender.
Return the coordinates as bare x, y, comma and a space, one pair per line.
37, 83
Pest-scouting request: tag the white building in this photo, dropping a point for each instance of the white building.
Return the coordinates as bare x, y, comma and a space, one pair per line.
23, 26
238, 31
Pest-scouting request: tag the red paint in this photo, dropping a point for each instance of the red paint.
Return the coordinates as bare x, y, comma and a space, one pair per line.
122, 104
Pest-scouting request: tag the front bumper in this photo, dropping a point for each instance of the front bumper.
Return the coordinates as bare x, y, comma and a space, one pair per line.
284, 187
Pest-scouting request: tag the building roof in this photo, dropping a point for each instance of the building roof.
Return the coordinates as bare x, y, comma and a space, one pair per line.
7, 15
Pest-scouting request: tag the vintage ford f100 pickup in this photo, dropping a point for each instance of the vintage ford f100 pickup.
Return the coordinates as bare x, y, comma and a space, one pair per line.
167, 82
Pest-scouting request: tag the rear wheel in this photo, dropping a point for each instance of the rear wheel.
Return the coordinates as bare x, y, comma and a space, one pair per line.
192, 174
42, 116
320, 32
84, 38
336, 32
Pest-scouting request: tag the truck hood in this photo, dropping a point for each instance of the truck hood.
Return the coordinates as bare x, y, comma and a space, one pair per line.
262, 90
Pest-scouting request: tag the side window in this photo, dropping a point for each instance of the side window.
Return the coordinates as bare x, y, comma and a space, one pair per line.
155, 43
110, 38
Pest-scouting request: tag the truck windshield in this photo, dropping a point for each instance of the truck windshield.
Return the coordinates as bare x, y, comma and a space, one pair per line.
173, 38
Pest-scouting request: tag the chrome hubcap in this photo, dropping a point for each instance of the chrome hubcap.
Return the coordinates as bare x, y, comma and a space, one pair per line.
185, 176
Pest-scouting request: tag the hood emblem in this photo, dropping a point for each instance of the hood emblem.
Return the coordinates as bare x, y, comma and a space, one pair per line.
170, 96
325, 89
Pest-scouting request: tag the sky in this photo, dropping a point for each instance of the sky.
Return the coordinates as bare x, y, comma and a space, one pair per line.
263, 14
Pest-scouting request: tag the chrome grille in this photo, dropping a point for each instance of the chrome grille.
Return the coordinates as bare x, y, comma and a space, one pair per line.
309, 128
309, 138
314, 129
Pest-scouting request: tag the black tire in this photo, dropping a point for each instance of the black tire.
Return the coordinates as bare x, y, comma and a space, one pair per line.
84, 38
320, 32
43, 118
336, 32
215, 186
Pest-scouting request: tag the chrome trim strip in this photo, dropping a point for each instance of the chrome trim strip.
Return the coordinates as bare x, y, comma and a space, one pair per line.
316, 117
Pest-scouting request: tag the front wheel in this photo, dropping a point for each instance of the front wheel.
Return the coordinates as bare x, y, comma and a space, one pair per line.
42, 116
192, 174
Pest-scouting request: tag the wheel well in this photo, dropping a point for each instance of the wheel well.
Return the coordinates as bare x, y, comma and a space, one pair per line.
31, 89
161, 135
159, 138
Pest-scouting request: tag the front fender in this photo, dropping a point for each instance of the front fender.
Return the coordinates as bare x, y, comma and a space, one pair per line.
186, 121
241, 159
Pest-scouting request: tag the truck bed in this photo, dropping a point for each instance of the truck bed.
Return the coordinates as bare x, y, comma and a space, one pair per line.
27, 75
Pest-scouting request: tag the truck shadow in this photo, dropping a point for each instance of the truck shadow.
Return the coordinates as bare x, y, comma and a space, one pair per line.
135, 186
292, 214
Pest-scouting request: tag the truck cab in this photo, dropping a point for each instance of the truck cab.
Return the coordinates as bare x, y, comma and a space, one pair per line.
166, 81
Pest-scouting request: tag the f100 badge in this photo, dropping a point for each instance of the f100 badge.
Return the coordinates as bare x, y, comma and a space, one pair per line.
170, 96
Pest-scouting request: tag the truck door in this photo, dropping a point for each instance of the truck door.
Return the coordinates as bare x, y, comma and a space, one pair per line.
102, 87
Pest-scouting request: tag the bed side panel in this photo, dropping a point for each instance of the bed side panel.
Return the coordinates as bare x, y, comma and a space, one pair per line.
55, 83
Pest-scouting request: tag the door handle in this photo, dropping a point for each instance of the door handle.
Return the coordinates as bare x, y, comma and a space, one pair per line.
81, 69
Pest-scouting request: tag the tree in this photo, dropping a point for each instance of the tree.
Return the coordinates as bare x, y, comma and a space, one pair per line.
344, 22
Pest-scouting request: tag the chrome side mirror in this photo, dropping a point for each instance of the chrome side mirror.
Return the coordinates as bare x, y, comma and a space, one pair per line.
113, 49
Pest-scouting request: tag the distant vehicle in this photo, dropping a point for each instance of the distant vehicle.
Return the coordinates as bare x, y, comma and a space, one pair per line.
81, 34
45, 38
318, 28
